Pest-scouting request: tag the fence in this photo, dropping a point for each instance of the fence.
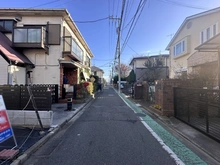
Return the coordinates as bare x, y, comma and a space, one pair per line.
17, 97
199, 108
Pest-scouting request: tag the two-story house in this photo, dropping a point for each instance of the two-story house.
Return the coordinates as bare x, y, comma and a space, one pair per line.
39, 46
147, 66
195, 31
98, 72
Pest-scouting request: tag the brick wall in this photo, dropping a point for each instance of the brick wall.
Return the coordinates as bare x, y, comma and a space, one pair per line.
145, 91
164, 94
61, 81
72, 76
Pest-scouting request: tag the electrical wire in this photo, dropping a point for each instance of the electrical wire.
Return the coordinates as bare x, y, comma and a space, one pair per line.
45, 4
134, 22
183, 4
92, 21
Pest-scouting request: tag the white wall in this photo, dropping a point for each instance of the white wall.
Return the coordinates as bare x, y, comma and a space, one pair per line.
19, 77
3, 71
47, 68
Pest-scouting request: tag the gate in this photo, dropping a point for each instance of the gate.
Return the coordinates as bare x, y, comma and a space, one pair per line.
199, 108
17, 97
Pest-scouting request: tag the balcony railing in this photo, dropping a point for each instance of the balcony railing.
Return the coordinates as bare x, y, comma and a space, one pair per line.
29, 37
71, 48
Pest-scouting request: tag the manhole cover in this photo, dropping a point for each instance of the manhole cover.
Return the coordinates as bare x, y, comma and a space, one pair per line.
140, 114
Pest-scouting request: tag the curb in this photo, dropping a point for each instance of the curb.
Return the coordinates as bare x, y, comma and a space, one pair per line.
21, 159
181, 134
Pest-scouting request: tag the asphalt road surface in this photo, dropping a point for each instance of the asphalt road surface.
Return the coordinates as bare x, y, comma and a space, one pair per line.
107, 132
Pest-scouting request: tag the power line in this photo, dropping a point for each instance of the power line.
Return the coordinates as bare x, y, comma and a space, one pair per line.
103, 60
183, 4
134, 22
45, 4
92, 21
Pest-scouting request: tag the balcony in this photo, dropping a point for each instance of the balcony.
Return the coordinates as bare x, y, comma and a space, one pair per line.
30, 37
72, 49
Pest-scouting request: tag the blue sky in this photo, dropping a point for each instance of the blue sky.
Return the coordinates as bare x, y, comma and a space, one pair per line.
157, 23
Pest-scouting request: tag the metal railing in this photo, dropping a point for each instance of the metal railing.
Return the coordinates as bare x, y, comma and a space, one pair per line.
199, 108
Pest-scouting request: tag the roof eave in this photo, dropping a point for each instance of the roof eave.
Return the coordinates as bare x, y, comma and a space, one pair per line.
190, 18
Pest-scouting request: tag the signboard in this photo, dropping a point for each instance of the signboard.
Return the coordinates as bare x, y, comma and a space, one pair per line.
5, 126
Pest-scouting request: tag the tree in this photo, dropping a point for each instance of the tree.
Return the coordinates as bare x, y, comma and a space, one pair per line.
132, 77
154, 67
115, 79
124, 70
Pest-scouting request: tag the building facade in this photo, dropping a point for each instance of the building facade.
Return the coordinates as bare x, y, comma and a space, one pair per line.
41, 46
96, 71
147, 68
194, 31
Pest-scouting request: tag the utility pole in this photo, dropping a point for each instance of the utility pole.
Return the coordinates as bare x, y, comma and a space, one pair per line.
118, 51
119, 61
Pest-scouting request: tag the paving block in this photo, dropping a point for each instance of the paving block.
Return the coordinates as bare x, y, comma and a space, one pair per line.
8, 154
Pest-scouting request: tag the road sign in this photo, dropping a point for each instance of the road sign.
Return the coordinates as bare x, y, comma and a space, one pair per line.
5, 126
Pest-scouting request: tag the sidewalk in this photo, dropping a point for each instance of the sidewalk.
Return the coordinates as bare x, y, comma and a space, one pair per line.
193, 136
29, 140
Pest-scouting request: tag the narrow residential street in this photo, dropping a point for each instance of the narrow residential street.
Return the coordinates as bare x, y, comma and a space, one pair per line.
111, 130
108, 132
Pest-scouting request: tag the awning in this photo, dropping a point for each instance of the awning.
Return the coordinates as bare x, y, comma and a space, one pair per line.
11, 55
70, 64
211, 45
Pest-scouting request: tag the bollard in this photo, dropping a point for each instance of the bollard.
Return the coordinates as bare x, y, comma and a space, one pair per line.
69, 104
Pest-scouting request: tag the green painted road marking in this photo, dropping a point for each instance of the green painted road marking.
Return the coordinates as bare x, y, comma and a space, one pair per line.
183, 153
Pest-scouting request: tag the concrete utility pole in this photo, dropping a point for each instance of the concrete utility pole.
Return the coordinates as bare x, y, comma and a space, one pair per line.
117, 54
118, 51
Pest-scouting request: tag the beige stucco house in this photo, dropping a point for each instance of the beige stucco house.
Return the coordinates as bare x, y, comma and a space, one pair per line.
196, 30
40, 46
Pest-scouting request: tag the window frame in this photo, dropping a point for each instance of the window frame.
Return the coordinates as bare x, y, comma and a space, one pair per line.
4, 29
180, 48
208, 33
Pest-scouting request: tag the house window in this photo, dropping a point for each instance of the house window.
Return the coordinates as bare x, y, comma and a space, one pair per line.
6, 25
214, 30
179, 48
202, 37
208, 33
77, 50
27, 35
87, 61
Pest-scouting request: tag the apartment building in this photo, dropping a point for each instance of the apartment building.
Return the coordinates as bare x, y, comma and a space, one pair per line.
40, 46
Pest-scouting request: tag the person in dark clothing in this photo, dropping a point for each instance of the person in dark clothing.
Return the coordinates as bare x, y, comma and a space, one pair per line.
65, 80
99, 87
